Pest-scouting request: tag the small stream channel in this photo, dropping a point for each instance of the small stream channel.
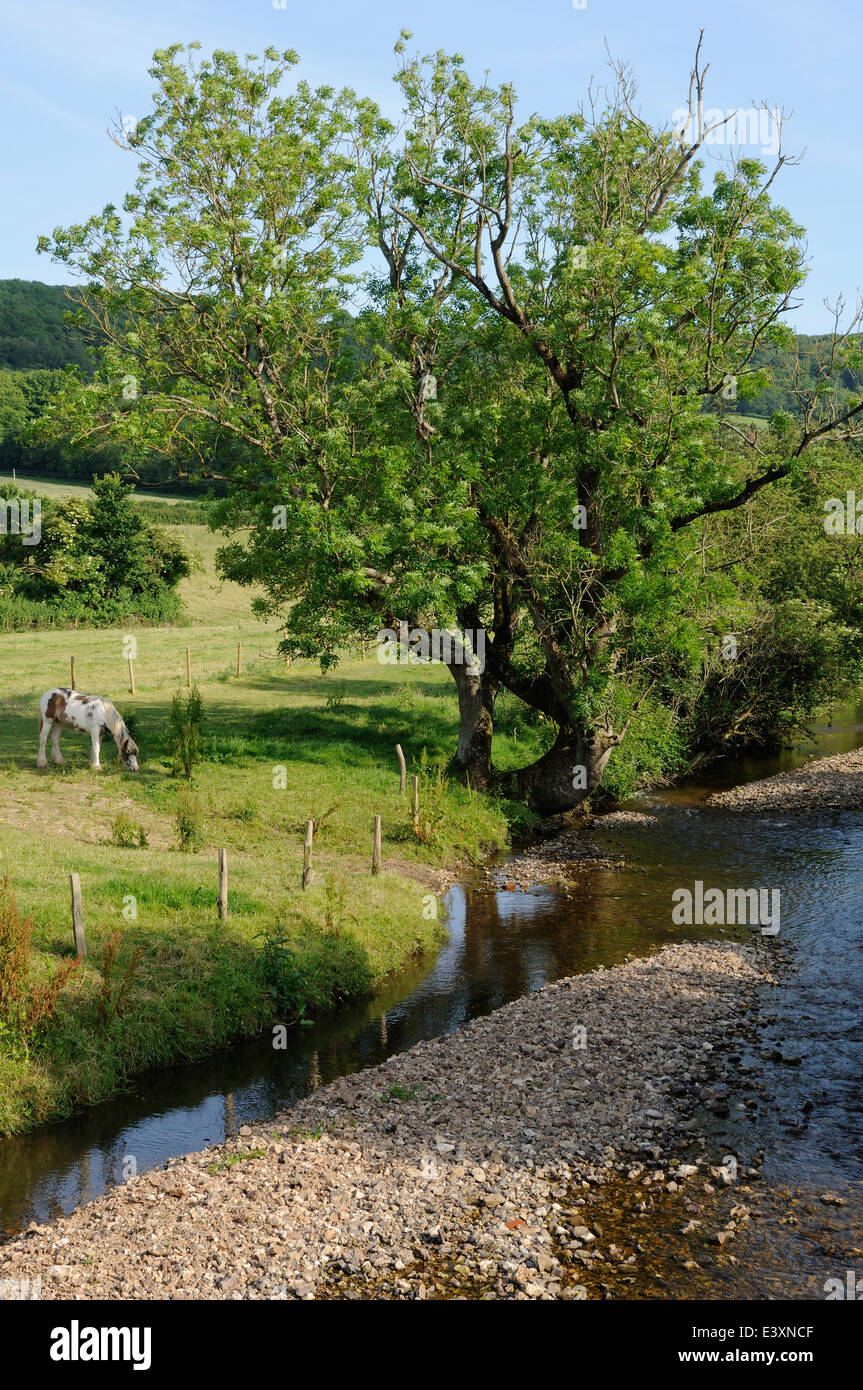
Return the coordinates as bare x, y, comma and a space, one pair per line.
504, 944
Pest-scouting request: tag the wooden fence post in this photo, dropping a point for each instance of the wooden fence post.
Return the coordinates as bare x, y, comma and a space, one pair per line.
189, 666
78, 915
376, 852
73, 673
403, 772
415, 796
239, 657
223, 885
131, 676
307, 854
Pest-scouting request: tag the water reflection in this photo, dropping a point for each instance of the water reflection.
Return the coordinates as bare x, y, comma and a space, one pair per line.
503, 945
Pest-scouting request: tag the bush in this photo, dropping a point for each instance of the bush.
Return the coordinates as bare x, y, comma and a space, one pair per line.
25, 1006
116, 985
189, 820
100, 562
314, 973
433, 808
126, 834
184, 730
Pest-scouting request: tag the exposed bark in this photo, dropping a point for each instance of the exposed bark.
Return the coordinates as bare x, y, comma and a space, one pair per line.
565, 775
477, 693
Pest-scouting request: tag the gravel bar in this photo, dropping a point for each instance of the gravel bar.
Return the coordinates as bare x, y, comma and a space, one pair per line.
834, 783
467, 1167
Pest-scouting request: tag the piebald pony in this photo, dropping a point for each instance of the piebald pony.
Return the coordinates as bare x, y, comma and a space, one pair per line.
88, 714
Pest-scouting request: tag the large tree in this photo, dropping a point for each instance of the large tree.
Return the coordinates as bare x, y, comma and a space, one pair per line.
573, 289
642, 294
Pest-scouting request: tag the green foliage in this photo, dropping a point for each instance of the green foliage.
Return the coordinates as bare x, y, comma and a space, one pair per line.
335, 910
653, 751
432, 784
565, 385
189, 820
127, 833
96, 560
33, 327
184, 730
314, 974
26, 1004
13, 406
116, 983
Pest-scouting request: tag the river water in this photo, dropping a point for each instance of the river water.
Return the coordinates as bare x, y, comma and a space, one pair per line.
504, 944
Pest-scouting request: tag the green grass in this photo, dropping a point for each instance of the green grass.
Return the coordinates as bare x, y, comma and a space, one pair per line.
62, 487
200, 983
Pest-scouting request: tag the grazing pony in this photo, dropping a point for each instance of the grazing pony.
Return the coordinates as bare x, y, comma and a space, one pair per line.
88, 714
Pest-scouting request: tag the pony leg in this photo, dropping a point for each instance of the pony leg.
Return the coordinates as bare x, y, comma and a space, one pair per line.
44, 728
94, 754
55, 744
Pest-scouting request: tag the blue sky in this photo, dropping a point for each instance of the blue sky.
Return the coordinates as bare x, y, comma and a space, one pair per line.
69, 66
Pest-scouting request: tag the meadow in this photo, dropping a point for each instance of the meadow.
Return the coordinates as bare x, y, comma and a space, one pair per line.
281, 745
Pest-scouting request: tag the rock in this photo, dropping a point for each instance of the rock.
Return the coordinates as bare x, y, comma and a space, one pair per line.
537, 1136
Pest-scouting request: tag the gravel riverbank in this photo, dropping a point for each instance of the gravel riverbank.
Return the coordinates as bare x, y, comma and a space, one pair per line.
834, 783
557, 1148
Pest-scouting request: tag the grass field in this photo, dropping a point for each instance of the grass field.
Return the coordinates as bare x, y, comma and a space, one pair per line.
199, 982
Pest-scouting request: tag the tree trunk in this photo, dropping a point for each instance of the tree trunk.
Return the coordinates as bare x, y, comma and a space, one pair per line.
565, 775
476, 696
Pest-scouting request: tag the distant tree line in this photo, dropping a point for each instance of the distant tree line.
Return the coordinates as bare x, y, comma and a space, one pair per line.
33, 331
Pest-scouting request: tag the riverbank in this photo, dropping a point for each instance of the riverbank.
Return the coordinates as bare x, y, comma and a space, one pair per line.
490, 1163
834, 783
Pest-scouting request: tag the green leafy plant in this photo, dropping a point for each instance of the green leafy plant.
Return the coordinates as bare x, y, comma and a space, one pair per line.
397, 1092
184, 730
189, 820
25, 1005
126, 833
283, 976
116, 985
334, 909
432, 788
223, 1165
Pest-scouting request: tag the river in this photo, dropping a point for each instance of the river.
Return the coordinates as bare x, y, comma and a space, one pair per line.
504, 944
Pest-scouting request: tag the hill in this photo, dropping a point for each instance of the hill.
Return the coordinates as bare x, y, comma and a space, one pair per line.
32, 331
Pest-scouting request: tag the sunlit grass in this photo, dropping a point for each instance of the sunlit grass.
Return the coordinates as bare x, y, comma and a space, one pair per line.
281, 745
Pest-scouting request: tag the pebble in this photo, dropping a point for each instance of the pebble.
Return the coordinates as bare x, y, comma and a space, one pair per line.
476, 1192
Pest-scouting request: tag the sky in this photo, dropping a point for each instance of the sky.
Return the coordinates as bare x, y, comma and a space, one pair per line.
69, 68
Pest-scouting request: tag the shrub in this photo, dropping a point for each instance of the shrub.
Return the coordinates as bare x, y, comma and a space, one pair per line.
282, 976
432, 787
335, 913
116, 985
25, 1006
189, 820
313, 973
126, 833
184, 730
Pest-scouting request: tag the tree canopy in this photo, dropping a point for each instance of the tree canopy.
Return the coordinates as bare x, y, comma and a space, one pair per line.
509, 434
